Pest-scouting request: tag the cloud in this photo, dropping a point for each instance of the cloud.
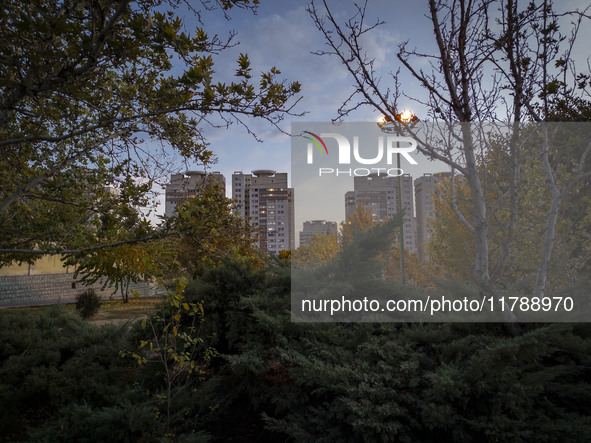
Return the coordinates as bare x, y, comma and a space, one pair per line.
381, 46
287, 41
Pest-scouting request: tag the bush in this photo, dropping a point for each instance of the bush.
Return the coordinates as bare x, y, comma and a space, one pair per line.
386, 381
53, 364
87, 304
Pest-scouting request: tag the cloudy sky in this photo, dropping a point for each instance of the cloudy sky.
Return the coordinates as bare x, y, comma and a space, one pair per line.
282, 34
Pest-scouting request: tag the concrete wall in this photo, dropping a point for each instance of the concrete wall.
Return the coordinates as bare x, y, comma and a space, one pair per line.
28, 290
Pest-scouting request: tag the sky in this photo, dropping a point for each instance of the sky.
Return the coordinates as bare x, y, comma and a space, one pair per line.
282, 34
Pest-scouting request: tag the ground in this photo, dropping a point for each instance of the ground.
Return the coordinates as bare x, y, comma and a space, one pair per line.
111, 311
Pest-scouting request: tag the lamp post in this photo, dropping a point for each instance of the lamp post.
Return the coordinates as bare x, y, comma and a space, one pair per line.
387, 125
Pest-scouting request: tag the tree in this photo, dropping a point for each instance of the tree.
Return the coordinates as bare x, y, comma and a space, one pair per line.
531, 65
209, 229
450, 238
175, 344
126, 259
577, 205
205, 229
285, 255
562, 178
321, 249
360, 220
420, 274
517, 262
118, 266
96, 94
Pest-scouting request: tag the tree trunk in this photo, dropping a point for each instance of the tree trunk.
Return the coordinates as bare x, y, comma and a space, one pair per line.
125, 290
541, 277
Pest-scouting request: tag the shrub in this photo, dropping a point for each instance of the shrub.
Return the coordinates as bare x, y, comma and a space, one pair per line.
87, 304
432, 382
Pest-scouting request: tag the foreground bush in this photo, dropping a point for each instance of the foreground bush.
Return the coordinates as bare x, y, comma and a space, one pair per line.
53, 364
390, 382
62, 379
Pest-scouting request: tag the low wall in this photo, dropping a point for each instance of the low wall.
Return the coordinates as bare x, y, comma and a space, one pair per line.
29, 290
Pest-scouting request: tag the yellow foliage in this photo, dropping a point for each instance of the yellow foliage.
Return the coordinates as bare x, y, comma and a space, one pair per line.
322, 249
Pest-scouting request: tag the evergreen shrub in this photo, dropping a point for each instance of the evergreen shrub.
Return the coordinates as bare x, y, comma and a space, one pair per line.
87, 304
387, 381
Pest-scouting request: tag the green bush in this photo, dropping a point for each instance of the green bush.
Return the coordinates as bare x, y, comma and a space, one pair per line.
61, 376
52, 365
280, 380
87, 304
387, 381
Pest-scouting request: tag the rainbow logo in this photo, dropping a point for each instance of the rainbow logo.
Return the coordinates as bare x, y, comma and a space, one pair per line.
316, 142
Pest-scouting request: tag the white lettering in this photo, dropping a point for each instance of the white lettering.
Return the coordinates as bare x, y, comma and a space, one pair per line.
344, 146
370, 161
404, 151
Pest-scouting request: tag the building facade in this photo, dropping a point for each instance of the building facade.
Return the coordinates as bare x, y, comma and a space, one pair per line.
264, 198
188, 185
379, 195
316, 227
425, 189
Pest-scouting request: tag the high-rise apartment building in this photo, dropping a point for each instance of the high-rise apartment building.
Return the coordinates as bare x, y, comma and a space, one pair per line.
379, 194
316, 227
190, 184
425, 187
265, 198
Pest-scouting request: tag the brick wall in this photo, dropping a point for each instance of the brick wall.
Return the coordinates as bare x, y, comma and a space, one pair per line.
28, 290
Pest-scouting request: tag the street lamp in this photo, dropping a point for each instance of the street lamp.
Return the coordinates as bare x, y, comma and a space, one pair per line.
386, 124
